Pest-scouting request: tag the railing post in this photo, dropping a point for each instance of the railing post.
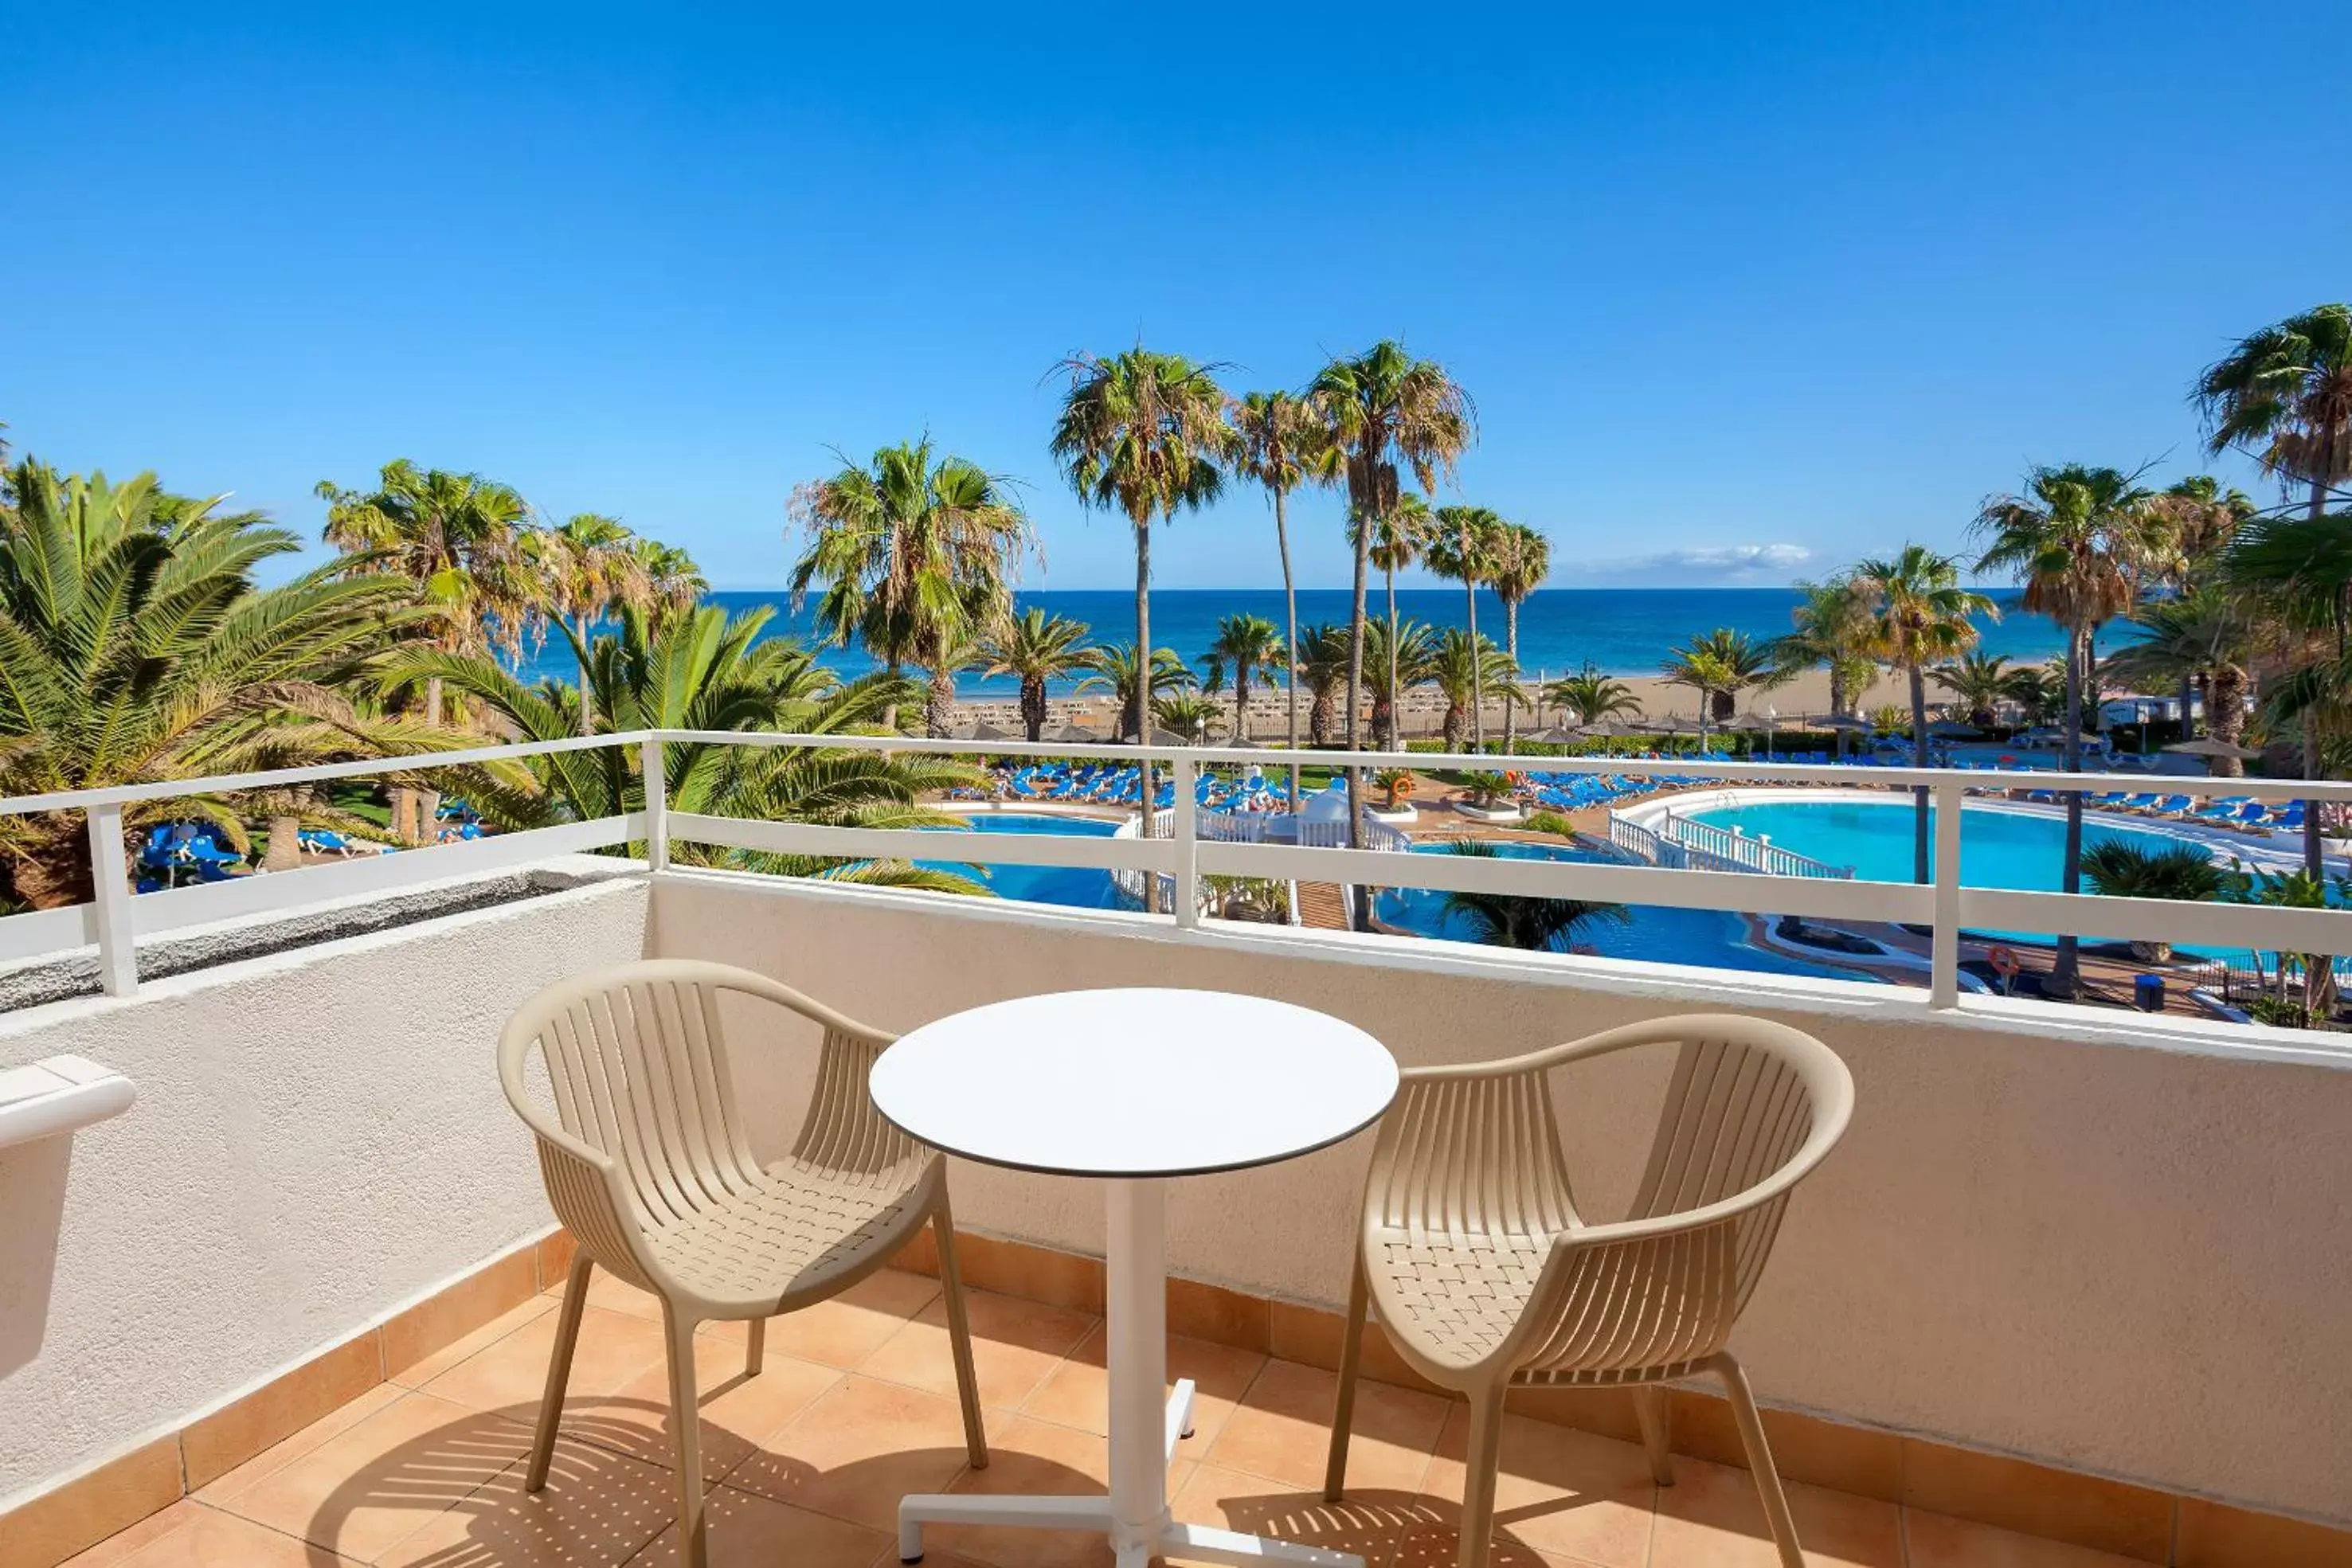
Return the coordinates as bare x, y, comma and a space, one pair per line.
657, 803
118, 949
1187, 844
1943, 953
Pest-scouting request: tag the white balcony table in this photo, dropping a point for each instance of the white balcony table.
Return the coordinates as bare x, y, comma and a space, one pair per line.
1134, 1088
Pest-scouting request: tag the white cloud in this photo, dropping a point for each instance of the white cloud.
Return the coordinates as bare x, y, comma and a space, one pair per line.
1720, 563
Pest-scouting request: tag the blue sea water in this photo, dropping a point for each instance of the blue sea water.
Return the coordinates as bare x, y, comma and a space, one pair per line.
1624, 631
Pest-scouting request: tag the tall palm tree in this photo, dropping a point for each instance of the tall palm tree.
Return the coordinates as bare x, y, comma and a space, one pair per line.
585, 566
2205, 639
1466, 661
1832, 632
2298, 570
1111, 667
1322, 668
1400, 538
1590, 696
457, 537
1462, 548
711, 671
2083, 540
135, 648
1922, 617
915, 558
1186, 714
1035, 649
1534, 924
1520, 561
1281, 445
1412, 654
674, 584
1719, 666
2204, 517
1143, 434
1252, 646
2285, 394
1385, 410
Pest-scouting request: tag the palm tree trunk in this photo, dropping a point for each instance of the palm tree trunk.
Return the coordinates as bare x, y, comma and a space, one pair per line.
1143, 692
423, 804
1290, 638
1240, 701
2065, 968
1395, 739
1356, 688
1510, 646
2188, 705
1477, 671
284, 851
1920, 872
587, 709
1033, 706
2225, 689
939, 706
1837, 691
2313, 845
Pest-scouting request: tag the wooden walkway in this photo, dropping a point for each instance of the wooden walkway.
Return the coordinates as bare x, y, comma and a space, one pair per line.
1321, 907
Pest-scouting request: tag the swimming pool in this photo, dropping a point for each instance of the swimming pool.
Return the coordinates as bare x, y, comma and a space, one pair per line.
1079, 887
2020, 850
1713, 938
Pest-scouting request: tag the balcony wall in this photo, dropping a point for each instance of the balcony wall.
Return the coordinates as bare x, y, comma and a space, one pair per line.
2110, 1243
319, 1141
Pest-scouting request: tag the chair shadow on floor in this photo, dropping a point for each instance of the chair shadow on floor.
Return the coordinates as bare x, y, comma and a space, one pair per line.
1386, 1529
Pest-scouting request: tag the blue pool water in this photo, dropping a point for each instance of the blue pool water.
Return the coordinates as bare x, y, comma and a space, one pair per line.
1707, 936
1076, 886
1997, 849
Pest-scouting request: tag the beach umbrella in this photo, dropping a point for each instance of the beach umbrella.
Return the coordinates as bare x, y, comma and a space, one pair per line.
1165, 737
1749, 724
1558, 735
986, 731
1619, 728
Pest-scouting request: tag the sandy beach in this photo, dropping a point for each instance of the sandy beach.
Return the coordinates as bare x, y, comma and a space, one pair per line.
1424, 710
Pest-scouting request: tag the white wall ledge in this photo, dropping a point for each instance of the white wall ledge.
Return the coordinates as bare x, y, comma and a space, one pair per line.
58, 1094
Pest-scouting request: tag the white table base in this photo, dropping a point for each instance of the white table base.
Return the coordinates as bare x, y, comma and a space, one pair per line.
1144, 1430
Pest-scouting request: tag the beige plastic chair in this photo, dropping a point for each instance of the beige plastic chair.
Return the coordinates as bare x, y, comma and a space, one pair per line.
1486, 1278
648, 1169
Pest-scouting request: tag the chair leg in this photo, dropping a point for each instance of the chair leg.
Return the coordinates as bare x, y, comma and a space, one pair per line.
975, 1437
685, 1434
1759, 1459
559, 1371
1650, 1409
756, 1353
1478, 1478
1343, 1410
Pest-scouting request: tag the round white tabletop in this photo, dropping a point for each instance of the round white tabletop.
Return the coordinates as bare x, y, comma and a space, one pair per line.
1134, 1083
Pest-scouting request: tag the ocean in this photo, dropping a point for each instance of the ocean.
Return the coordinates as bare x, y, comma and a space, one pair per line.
1624, 631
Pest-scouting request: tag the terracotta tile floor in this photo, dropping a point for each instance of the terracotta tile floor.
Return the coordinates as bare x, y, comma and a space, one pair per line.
856, 1405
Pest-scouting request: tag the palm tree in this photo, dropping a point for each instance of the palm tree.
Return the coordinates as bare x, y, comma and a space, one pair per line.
1534, 924
1833, 632
1462, 548
1519, 561
1411, 654
1590, 696
1322, 667
1143, 433
916, 560
2285, 394
1385, 410
674, 584
1466, 661
1922, 617
2203, 518
585, 566
2039, 691
2125, 868
1980, 682
1720, 666
135, 648
2298, 571
1402, 535
2204, 639
1252, 646
709, 671
2083, 540
457, 537
1112, 667
1036, 648
1186, 714
1281, 445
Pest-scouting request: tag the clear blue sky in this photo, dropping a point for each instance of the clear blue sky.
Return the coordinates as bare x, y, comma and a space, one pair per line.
1738, 282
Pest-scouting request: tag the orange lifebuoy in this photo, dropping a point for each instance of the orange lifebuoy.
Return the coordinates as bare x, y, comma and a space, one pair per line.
1515, 779
1405, 785
2005, 962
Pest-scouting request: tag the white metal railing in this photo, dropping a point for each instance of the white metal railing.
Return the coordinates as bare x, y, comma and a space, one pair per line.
118, 918
1735, 849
